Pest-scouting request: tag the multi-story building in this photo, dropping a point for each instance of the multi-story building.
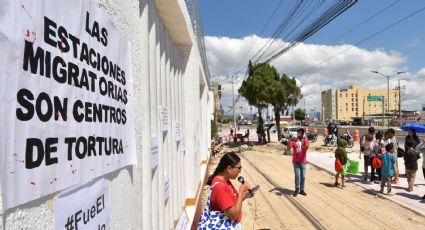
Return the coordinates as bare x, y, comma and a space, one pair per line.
329, 104
357, 102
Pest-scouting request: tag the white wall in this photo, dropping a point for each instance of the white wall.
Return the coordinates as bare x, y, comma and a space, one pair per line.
167, 73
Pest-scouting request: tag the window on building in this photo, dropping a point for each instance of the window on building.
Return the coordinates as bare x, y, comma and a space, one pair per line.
340, 94
352, 109
346, 104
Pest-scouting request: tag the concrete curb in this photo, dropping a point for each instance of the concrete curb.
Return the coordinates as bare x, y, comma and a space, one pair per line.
413, 209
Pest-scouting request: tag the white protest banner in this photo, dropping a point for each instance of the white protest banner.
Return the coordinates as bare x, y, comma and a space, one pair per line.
85, 207
183, 144
166, 186
163, 118
66, 110
178, 128
183, 223
154, 152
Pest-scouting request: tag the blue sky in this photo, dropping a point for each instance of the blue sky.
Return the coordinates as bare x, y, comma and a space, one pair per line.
232, 35
240, 18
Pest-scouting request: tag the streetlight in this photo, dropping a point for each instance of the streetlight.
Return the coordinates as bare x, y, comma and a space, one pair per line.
388, 91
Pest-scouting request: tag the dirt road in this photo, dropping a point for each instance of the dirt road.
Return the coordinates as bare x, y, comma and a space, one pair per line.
325, 206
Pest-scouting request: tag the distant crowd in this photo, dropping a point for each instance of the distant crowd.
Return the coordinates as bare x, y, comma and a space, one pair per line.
380, 151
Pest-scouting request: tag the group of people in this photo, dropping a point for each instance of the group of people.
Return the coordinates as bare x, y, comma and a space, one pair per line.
380, 151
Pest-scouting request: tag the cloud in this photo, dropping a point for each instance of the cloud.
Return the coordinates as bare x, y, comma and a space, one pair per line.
317, 67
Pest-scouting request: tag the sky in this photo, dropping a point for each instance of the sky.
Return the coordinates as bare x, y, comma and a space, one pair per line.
340, 54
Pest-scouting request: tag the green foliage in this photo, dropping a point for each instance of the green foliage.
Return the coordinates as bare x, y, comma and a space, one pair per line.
214, 129
225, 120
258, 86
300, 114
264, 86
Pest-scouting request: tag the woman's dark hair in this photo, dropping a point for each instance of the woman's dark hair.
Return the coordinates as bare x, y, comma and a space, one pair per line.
409, 144
414, 133
228, 159
389, 147
379, 135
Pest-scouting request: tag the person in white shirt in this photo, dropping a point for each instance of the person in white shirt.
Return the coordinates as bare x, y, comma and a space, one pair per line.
367, 142
394, 141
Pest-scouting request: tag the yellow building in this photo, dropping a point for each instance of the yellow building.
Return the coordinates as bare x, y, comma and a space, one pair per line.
344, 104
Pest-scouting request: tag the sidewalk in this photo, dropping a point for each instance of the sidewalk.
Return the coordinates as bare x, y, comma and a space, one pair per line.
411, 200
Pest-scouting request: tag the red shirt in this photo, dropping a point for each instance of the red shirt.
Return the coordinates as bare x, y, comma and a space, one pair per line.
223, 196
299, 148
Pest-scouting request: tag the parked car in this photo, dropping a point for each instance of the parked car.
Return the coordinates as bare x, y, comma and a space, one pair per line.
305, 123
292, 131
345, 123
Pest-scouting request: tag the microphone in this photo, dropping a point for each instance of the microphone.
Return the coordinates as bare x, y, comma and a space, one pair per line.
242, 181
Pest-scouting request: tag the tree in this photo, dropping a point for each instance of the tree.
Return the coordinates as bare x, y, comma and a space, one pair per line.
285, 93
300, 114
214, 130
255, 89
264, 86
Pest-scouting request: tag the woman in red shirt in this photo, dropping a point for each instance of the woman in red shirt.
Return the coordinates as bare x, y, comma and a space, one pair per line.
224, 197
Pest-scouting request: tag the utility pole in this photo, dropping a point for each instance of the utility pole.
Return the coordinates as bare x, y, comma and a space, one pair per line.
233, 107
383, 111
250, 115
399, 101
388, 91
388, 102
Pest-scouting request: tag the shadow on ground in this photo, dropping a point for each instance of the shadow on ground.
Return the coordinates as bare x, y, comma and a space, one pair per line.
281, 191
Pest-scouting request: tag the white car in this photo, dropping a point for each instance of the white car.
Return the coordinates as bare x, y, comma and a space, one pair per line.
292, 131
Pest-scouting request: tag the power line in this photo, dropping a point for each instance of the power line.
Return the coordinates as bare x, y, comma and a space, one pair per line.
268, 22
363, 22
325, 19
366, 20
241, 66
279, 30
364, 40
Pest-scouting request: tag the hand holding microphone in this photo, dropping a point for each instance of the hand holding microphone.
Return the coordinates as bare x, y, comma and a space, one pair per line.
246, 187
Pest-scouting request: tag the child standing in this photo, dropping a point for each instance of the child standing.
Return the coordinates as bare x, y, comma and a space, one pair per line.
388, 165
411, 162
341, 155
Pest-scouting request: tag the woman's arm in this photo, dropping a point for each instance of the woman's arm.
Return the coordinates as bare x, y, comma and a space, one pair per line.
235, 211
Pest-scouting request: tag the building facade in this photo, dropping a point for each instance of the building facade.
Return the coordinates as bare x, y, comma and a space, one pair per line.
169, 70
329, 104
357, 102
